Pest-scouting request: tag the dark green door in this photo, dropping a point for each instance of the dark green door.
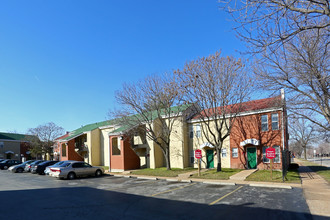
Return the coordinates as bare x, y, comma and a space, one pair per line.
209, 159
252, 157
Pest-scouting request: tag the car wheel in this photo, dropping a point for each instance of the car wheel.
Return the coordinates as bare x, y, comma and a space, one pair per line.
5, 167
19, 170
98, 173
71, 176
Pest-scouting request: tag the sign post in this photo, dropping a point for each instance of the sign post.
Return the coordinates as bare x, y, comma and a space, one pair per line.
270, 154
198, 156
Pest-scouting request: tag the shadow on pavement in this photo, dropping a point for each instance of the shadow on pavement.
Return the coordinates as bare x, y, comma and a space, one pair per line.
89, 203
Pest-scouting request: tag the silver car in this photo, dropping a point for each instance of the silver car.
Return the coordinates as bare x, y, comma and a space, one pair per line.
47, 170
20, 167
71, 170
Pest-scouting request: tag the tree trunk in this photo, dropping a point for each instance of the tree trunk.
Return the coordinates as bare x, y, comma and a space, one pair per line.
167, 158
219, 159
305, 152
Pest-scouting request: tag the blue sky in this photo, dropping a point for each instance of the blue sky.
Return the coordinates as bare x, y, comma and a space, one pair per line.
62, 61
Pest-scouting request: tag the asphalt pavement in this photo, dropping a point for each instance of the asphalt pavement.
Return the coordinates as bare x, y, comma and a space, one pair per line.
28, 196
325, 161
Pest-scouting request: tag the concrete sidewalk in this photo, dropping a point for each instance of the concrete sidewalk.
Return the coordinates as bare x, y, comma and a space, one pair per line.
316, 191
242, 175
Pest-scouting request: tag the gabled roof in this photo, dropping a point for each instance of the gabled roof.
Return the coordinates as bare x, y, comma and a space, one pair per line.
63, 136
250, 106
87, 128
152, 116
15, 137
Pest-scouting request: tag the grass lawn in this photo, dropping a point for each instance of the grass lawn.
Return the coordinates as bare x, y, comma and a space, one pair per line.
105, 168
321, 170
264, 176
213, 174
163, 172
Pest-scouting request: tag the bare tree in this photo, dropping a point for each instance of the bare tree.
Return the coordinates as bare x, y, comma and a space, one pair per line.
296, 148
324, 148
266, 24
291, 41
152, 106
303, 133
217, 85
302, 67
46, 135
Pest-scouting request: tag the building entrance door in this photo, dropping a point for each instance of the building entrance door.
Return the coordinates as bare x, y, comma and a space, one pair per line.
209, 159
252, 157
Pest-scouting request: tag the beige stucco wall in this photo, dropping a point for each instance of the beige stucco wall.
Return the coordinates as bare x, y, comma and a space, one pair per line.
105, 146
96, 147
199, 143
156, 155
177, 150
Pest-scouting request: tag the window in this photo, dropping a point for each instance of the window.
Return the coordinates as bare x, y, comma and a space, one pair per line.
78, 165
235, 152
115, 146
1, 144
192, 157
223, 152
198, 130
275, 121
264, 123
63, 150
191, 131
264, 158
277, 153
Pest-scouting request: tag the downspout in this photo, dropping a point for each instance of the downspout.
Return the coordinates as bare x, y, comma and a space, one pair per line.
109, 153
283, 109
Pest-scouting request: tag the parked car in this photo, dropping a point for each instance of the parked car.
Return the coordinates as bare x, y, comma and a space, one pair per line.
5, 164
40, 168
20, 167
71, 170
29, 166
47, 170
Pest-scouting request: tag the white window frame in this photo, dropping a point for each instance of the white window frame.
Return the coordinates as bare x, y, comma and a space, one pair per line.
198, 131
266, 123
224, 152
234, 152
277, 159
277, 124
264, 158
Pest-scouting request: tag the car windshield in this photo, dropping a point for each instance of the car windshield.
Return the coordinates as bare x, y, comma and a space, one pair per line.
26, 162
4, 161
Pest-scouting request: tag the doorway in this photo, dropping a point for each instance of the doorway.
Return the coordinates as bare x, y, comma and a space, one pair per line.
251, 157
209, 159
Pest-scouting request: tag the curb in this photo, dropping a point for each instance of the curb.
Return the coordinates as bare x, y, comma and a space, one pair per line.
147, 178
220, 183
172, 180
270, 186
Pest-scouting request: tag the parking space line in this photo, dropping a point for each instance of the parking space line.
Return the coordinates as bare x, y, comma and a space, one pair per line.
212, 203
173, 189
145, 183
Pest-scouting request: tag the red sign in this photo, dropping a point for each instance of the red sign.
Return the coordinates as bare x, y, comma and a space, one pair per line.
198, 154
270, 153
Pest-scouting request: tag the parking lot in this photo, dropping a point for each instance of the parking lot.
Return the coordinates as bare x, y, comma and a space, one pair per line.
32, 196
